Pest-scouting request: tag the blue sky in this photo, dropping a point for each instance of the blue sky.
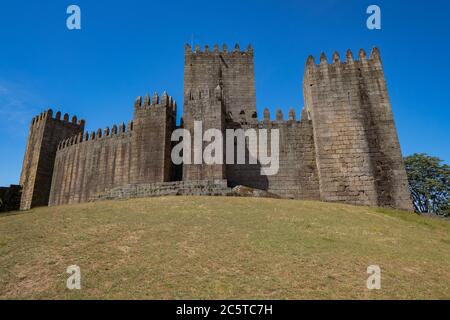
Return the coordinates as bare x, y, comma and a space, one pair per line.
128, 48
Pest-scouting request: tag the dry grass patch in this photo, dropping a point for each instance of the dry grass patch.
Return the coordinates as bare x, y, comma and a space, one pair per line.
213, 248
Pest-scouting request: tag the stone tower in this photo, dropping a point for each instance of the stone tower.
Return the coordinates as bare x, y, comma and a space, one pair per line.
44, 136
233, 71
154, 121
204, 110
358, 154
219, 89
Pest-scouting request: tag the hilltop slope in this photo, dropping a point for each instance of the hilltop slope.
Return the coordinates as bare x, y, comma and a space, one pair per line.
222, 247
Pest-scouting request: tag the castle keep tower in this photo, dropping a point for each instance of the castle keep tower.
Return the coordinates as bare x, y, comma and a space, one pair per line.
45, 134
233, 71
219, 88
357, 149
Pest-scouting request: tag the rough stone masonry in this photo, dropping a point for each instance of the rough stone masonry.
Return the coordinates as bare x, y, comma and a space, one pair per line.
344, 148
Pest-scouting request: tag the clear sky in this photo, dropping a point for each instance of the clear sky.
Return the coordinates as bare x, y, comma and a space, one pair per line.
128, 48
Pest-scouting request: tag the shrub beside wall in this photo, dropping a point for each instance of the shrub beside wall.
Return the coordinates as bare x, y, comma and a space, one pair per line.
10, 198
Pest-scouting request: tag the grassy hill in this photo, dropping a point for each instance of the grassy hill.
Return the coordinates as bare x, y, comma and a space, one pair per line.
210, 248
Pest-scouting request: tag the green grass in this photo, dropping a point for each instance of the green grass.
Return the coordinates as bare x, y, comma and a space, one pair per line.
222, 248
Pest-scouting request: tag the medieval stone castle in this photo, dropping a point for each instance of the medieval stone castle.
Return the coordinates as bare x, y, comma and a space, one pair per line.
344, 148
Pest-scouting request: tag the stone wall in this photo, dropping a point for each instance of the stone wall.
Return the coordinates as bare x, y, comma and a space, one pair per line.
186, 188
86, 165
357, 150
297, 176
90, 164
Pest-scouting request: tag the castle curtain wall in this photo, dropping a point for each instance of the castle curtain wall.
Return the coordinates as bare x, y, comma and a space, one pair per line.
86, 165
84, 169
297, 176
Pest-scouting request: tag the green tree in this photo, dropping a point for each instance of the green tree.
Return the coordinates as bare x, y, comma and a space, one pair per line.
429, 182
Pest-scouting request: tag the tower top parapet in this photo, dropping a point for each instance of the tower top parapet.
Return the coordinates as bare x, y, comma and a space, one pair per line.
48, 115
373, 60
216, 50
155, 101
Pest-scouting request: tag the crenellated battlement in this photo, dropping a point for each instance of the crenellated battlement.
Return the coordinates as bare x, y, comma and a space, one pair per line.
280, 119
374, 60
48, 115
215, 50
99, 134
277, 120
165, 101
